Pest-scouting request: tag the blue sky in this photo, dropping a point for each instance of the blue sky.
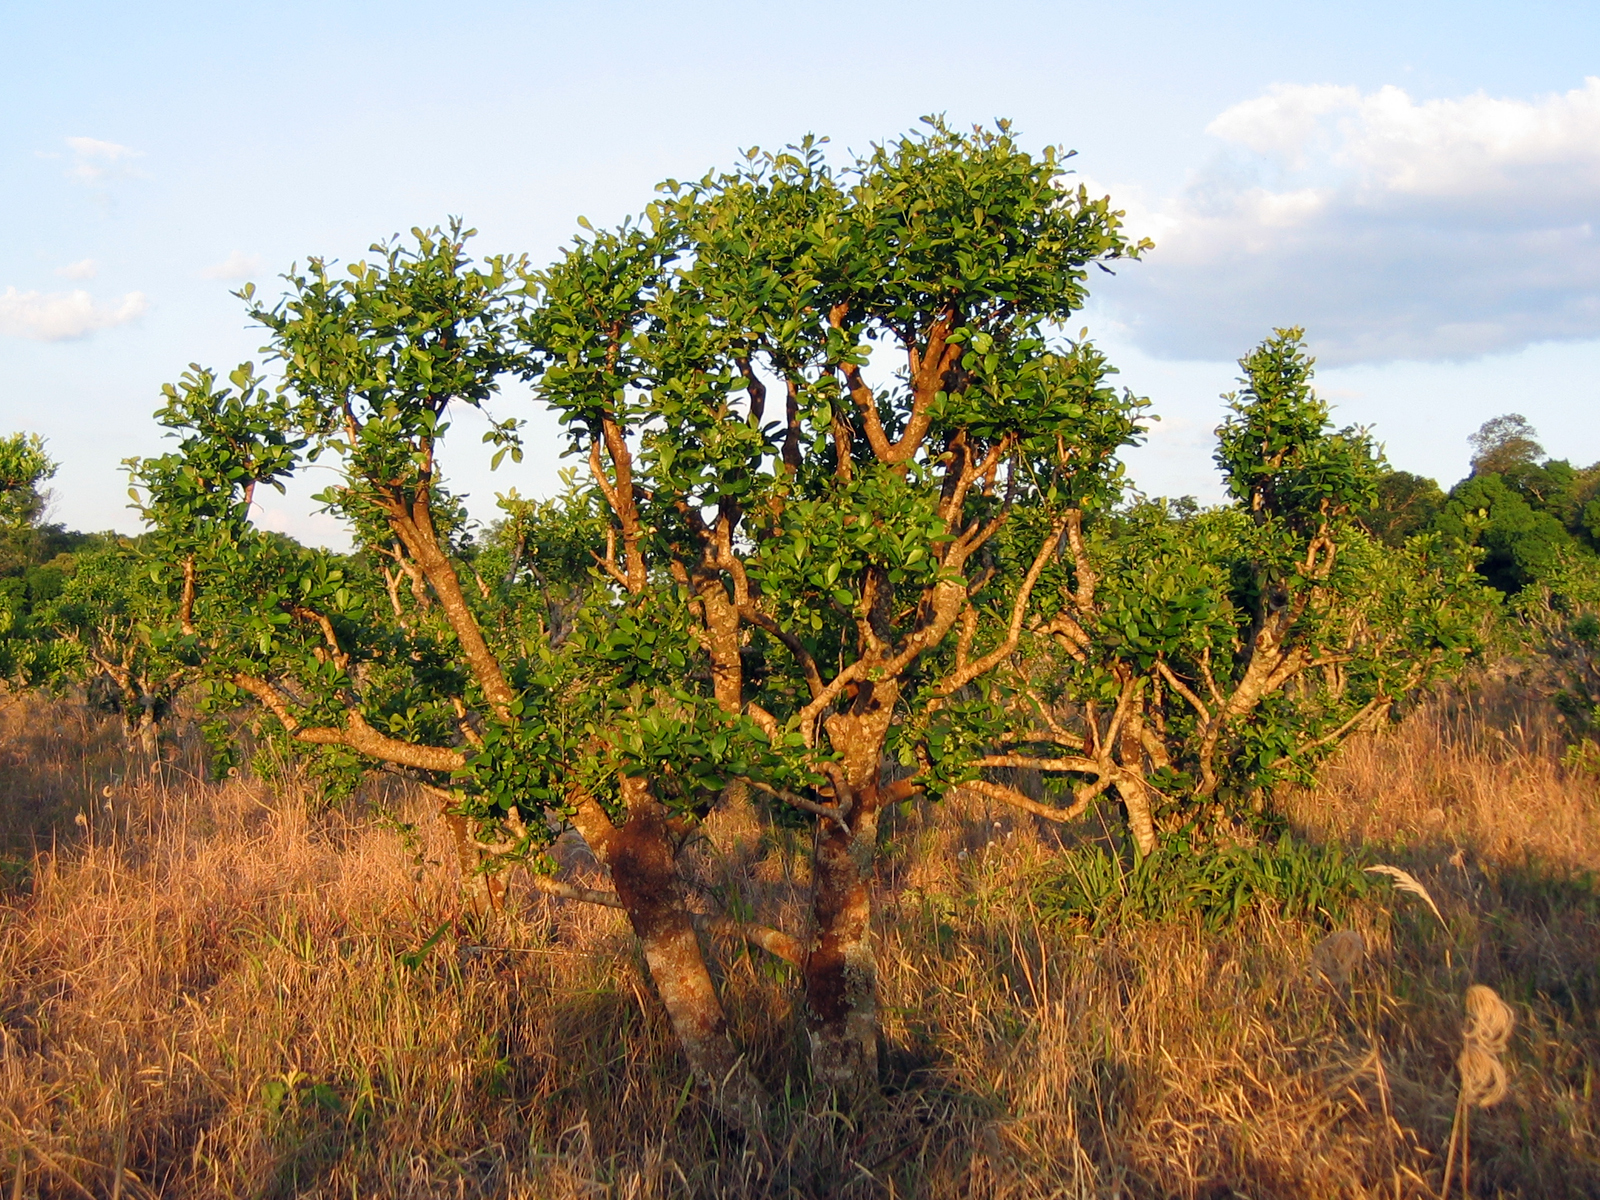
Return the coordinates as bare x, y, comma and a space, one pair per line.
1413, 182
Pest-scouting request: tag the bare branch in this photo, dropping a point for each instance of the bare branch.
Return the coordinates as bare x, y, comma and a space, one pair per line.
464, 723
186, 604
1182, 689
1013, 797
1211, 680
1019, 609
811, 806
763, 719
1087, 766
774, 941
1068, 633
569, 891
340, 658
808, 665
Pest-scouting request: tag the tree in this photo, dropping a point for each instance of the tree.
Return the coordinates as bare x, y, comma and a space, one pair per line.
778, 600
1503, 443
107, 619
1405, 506
24, 468
852, 564
794, 567
1202, 656
1520, 543
402, 655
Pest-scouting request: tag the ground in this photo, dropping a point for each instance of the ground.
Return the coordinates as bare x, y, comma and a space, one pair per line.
232, 989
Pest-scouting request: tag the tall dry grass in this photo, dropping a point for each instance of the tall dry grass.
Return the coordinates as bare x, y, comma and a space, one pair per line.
227, 990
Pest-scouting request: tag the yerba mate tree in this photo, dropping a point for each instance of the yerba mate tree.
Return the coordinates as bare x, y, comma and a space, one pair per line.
1201, 656
797, 599
838, 450
402, 655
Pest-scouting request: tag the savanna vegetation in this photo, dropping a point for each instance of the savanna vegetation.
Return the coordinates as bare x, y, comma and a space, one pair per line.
846, 785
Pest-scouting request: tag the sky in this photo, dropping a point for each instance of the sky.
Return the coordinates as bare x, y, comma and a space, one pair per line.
1414, 183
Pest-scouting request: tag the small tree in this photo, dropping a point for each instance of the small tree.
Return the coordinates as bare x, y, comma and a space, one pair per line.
110, 621
403, 655
1504, 443
24, 469
1203, 656
816, 575
26, 653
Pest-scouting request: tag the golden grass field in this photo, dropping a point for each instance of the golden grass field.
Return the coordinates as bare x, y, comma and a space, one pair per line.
217, 990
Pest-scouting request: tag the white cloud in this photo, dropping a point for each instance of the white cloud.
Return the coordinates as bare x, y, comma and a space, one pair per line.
95, 161
84, 268
1391, 228
61, 316
237, 265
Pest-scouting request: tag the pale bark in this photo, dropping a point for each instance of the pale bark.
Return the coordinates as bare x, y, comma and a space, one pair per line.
1130, 780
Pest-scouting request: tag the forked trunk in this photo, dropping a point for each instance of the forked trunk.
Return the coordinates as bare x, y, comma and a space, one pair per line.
641, 858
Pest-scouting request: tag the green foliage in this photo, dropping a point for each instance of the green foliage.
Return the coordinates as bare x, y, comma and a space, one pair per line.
1405, 506
1529, 518
1520, 543
24, 468
788, 277
1279, 457
1503, 444
374, 359
1100, 889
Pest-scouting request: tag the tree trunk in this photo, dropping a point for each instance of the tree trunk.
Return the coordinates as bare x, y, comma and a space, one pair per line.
150, 735
1130, 784
485, 892
643, 868
841, 972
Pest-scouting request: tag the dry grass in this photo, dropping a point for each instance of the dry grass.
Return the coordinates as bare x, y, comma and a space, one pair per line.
219, 988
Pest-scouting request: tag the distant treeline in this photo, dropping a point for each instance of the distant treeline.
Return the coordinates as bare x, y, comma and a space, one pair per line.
1525, 511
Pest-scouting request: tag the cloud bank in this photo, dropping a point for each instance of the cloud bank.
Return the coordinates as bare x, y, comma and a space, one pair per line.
62, 316
1391, 229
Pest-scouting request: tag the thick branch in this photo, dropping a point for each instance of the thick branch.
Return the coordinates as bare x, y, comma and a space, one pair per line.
186, 604
774, 941
414, 528
1019, 609
1088, 578
357, 735
1013, 797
